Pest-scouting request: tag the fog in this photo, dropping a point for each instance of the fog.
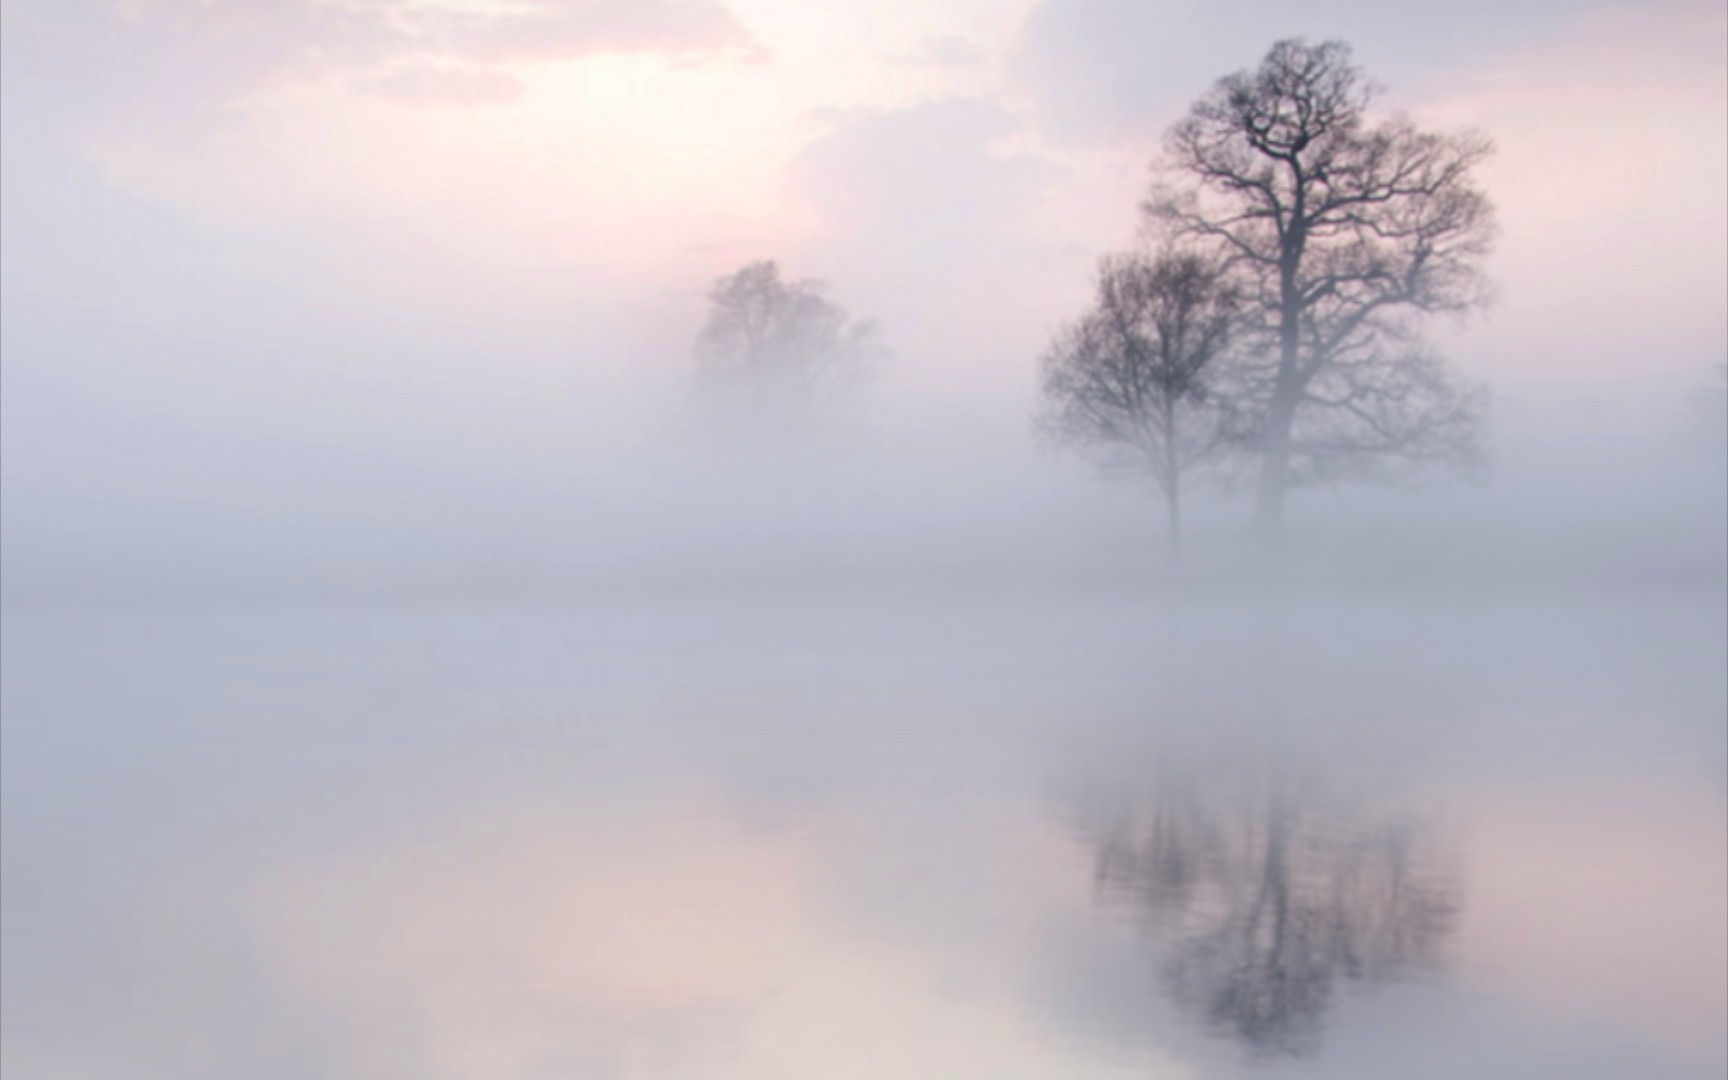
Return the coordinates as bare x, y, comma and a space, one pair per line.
410, 670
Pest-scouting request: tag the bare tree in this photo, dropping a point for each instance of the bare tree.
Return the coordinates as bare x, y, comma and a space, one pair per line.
1132, 382
780, 342
1346, 233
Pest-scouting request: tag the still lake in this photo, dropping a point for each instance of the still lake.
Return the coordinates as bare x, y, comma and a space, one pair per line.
878, 838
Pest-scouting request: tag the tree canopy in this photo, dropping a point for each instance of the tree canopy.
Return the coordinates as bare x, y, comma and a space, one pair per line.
1345, 232
1134, 381
779, 337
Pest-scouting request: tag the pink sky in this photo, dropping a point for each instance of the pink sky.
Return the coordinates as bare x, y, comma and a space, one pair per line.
452, 155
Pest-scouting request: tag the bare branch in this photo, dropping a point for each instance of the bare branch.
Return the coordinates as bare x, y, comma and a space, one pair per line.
1344, 233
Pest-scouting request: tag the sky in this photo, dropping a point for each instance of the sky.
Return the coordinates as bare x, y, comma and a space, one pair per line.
405, 248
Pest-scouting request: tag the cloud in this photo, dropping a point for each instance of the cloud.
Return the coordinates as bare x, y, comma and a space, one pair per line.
936, 218
946, 54
561, 29
1612, 160
1104, 70
927, 172
179, 65
442, 84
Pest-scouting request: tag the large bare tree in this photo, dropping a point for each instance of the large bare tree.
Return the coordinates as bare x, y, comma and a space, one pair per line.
1346, 232
780, 341
1133, 381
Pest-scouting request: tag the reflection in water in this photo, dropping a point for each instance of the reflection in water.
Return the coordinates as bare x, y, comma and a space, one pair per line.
1267, 896
417, 845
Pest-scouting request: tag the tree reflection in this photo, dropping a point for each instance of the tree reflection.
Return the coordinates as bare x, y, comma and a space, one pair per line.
1270, 895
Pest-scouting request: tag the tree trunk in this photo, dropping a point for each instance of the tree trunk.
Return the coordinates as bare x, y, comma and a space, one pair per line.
1286, 389
1172, 479
1173, 505
1274, 471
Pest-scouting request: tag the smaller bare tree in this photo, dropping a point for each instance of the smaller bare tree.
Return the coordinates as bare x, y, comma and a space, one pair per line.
781, 343
1135, 382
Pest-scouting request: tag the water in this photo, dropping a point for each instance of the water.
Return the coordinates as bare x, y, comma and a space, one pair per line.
814, 839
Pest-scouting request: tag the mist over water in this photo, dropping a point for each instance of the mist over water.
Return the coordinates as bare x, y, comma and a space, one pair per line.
716, 839
409, 671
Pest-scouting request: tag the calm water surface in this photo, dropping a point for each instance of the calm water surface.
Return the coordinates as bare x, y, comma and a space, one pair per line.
840, 839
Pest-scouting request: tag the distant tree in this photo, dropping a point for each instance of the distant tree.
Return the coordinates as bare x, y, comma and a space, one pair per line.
1346, 232
781, 343
1134, 382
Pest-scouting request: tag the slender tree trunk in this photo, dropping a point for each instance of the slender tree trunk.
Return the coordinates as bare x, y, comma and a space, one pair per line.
1286, 390
1173, 481
1173, 504
1274, 469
